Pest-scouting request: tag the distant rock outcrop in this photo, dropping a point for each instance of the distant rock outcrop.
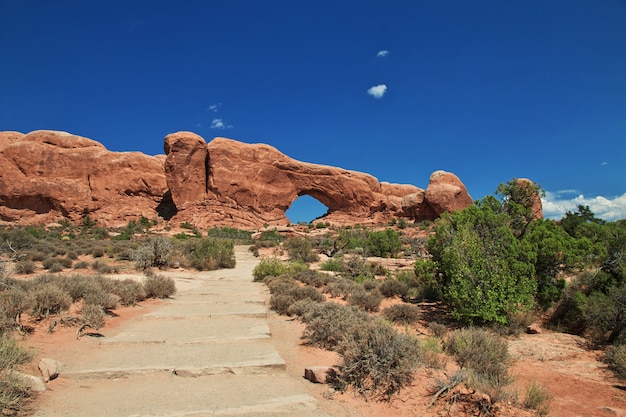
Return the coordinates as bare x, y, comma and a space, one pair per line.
48, 175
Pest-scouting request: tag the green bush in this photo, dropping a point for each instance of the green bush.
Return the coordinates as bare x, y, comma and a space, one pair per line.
402, 313
206, 254
301, 249
384, 243
488, 274
329, 323
285, 296
158, 286
243, 236
334, 265
268, 267
616, 359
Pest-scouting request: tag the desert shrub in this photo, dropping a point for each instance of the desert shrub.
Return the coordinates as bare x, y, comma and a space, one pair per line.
14, 301
158, 286
484, 353
81, 265
384, 243
281, 301
538, 398
100, 297
393, 287
98, 253
268, 267
49, 262
432, 353
328, 323
72, 255
25, 267
341, 288
358, 268
301, 307
206, 254
14, 391
48, 298
155, 252
366, 300
129, 291
243, 236
301, 249
93, 315
438, 329
314, 278
335, 264
101, 267
402, 313
616, 359
378, 361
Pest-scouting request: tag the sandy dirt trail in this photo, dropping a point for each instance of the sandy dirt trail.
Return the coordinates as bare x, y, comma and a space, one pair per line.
207, 351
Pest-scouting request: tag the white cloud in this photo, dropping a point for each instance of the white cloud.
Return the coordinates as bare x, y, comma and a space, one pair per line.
377, 91
610, 209
220, 124
382, 54
214, 107
604, 163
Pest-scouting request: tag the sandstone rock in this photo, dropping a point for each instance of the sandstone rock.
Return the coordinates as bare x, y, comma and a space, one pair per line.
50, 368
319, 374
533, 329
446, 193
186, 167
47, 176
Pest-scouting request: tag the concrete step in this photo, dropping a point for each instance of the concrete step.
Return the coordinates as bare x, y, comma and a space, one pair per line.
116, 360
218, 329
209, 308
168, 395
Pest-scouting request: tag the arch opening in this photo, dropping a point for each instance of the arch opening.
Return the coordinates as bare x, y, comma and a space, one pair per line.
305, 209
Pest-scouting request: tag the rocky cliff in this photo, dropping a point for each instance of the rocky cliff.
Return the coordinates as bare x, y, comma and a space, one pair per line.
46, 176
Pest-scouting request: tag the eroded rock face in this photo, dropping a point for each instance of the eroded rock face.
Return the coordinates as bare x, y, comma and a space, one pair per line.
264, 183
48, 175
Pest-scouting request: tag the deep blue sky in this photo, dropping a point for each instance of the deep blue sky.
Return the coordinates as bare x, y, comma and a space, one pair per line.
489, 90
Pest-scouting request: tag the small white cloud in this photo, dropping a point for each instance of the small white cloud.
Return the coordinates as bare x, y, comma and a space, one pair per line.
382, 54
377, 91
604, 163
220, 124
609, 209
214, 107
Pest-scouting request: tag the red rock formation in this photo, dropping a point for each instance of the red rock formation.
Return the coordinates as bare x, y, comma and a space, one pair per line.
256, 184
48, 175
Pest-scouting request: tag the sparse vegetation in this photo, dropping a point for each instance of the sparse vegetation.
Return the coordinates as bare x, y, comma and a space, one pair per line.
538, 398
158, 286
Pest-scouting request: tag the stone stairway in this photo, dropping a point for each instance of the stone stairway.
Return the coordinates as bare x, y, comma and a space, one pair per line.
206, 352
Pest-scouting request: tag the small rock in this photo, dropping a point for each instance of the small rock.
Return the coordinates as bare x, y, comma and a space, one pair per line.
49, 368
329, 394
319, 374
533, 329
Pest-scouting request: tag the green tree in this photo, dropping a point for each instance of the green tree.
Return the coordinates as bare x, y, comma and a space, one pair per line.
488, 274
519, 198
384, 243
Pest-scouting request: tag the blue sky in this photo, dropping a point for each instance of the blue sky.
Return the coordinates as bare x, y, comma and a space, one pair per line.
489, 90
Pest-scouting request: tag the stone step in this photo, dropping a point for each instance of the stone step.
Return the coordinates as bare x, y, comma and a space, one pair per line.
218, 329
168, 395
208, 308
116, 360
